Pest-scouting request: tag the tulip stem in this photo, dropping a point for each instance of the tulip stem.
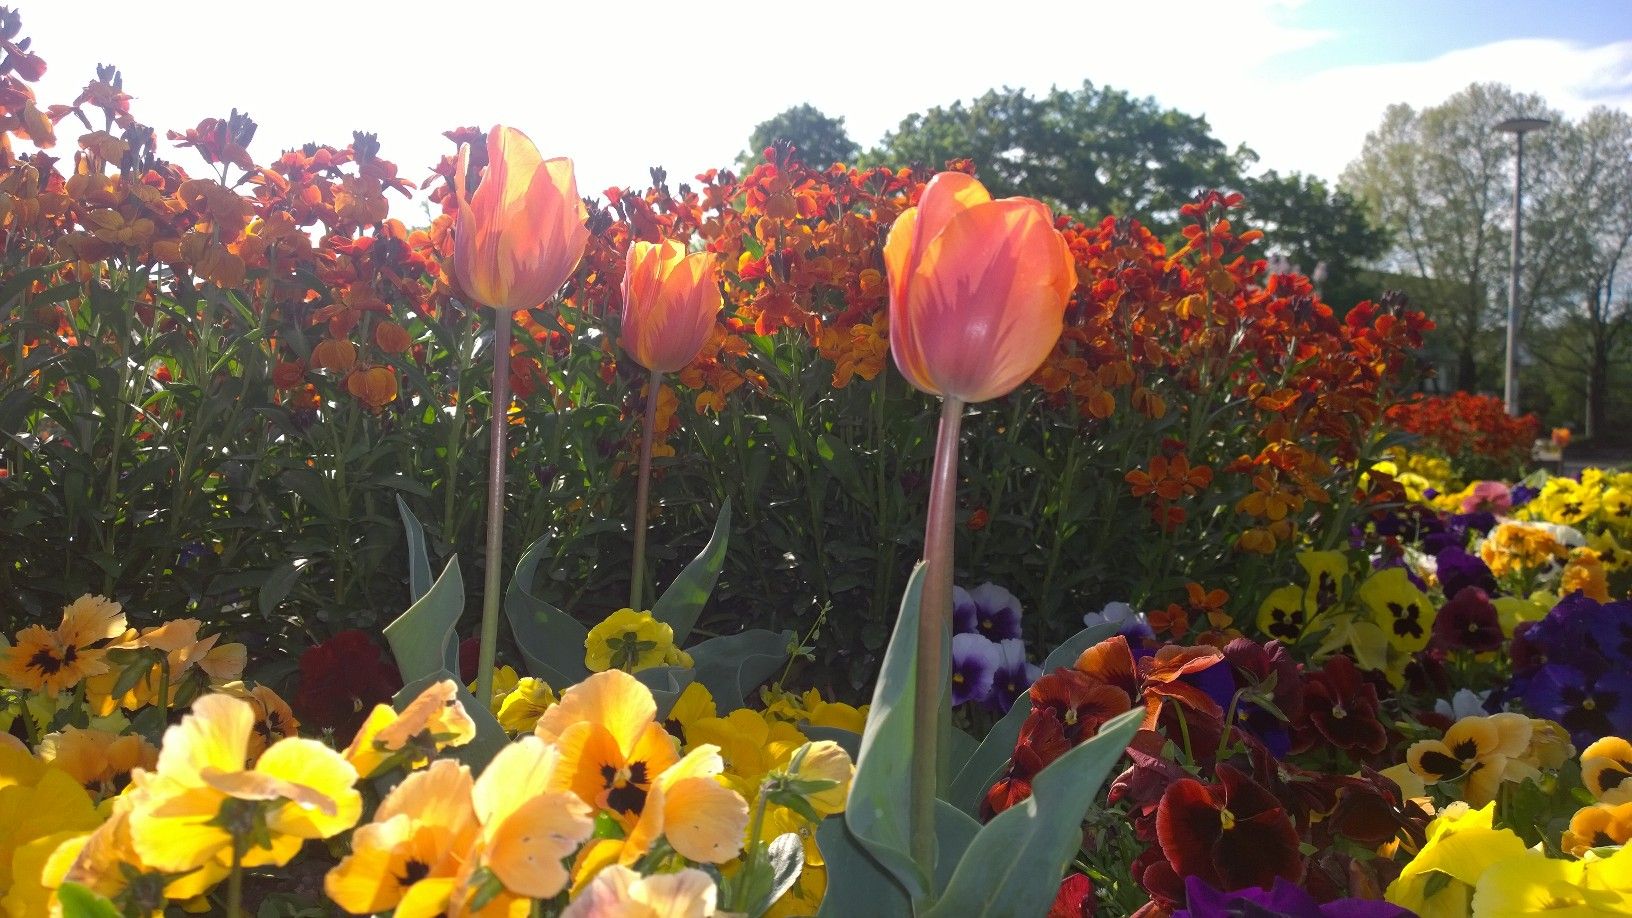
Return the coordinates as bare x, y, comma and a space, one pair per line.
934, 618
498, 447
643, 487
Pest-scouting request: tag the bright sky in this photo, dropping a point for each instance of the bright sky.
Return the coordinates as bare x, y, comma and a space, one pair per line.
624, 85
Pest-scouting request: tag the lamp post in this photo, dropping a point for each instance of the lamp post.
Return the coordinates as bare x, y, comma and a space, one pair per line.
1518, 127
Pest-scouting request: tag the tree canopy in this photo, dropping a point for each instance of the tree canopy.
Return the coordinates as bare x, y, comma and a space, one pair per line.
819, 139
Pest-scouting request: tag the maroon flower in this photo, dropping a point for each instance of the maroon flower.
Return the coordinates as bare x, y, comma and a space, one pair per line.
1372, 811
341, 680
1468, 622
1145, 781
1082, 703
1340, 706
1232, 833
1042, 740
470, 650
1075, 898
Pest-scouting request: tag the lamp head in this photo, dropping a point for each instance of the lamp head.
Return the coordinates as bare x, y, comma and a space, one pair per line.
1523, 125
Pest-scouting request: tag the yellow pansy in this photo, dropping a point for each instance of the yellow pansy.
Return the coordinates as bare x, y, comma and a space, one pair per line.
37, 800
701, 819
528, 826
1481, 751
417, 845
48, 661
1399, 608
1598, 825
612, 748
1461, 844
200, 798
107, 862
1530, 883
1606, 770
750, 745
618, 892
695, 703
191, 665
100, 761
630, 641
1584, 572
433, 721
519, 710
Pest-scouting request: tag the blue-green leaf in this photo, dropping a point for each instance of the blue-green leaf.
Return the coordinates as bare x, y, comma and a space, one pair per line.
857, 885
733, 665
1013, 866
422, 639
683, 601
419, 560
976, 773
666, 684
876, 813
551, 641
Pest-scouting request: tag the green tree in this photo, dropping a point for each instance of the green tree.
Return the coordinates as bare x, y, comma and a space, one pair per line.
1316, 229
819, 140
1087, 152
1440, 181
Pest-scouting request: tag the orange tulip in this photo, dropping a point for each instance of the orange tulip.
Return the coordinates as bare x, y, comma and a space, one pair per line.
977, 289
521, 234
670, 300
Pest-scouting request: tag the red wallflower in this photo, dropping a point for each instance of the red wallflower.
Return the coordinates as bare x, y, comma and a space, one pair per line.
343, 678
1232, 833
1075, 898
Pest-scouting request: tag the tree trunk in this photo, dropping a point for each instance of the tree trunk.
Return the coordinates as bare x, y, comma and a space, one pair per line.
1467, 369
1597, 389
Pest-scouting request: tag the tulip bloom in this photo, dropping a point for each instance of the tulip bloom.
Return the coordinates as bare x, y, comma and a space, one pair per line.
978, 289
670, 300
522, 232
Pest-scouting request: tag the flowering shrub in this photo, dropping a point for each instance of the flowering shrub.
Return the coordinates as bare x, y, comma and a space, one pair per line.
1474, 431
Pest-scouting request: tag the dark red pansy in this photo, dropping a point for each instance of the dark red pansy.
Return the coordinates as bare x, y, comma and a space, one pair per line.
1232, 833
1469, 622
341, 680
1341, 706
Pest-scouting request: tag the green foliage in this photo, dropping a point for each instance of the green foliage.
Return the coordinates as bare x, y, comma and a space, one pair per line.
1313, 226
818, 139
1088, 152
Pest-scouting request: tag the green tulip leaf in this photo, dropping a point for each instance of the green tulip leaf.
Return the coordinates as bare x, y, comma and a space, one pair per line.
683, 601
733, 665
422, 639
551, 641
666, 684
857, 885
876, 813
976, 773
1014, 865
419, 560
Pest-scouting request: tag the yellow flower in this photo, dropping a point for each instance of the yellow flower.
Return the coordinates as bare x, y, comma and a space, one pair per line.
630, 641
695, 703
37, 800
810, 708
1461, 844
1616, 506
750, 745
823, 762
410, 856
100, 761
108, 862
611, 746
520, 709
189, 811
1585, 573
1550, 745
1605, 767
1530, 883
1483, 750
430, 723
701, 819
30, 893
505, 679
1399, 608
1598, 825
193, 664
48, 661
528, 826
1514, 547
618, 892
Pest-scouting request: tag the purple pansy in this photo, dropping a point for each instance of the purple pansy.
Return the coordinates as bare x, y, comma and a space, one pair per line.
1013, 677
997, 612
1283, 900
974, 664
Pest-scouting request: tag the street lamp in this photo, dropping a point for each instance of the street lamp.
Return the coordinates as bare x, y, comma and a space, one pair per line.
1518, 127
